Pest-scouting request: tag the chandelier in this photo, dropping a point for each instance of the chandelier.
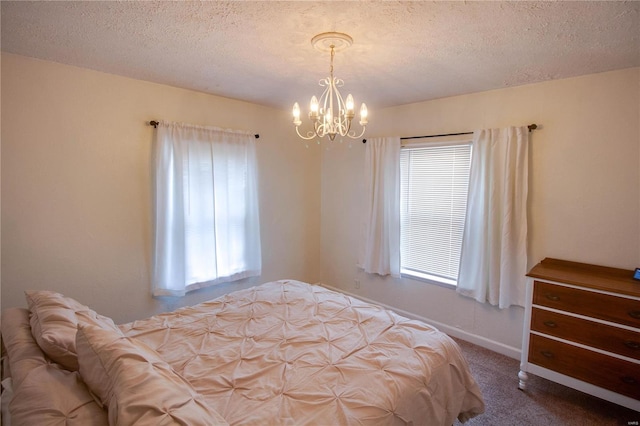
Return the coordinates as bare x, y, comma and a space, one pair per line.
331, 115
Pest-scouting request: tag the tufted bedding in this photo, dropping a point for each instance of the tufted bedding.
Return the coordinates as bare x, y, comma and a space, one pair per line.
285, 353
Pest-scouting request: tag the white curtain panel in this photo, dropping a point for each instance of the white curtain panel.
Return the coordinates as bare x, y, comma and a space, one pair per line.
206, 208
380, 242
493, 263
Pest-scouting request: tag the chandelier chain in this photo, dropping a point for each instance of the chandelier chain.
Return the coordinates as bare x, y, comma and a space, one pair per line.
331, 67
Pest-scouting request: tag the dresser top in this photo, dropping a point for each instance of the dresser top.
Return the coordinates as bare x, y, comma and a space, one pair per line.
585, 275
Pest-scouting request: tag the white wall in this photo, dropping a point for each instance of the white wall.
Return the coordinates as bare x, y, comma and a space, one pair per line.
584, 202
76, 186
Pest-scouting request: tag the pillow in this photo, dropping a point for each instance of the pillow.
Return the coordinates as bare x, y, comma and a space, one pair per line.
51, 396
44, 393
54, 323
136, 385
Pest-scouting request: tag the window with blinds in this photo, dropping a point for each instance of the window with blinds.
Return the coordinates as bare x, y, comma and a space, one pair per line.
433, 202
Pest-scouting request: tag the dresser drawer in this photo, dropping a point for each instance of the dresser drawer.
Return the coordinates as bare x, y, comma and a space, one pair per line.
608, 372
597, 305
590, 333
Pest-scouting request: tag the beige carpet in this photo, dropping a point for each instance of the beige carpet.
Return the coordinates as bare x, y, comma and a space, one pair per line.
544, 403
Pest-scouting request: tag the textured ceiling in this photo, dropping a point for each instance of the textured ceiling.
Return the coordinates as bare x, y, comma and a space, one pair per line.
260, 52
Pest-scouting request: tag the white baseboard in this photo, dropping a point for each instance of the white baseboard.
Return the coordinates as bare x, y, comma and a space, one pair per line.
459, 333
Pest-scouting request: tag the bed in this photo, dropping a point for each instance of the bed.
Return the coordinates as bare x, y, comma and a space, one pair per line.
284, 352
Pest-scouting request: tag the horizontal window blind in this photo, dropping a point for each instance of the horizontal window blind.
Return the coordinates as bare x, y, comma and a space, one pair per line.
433, 202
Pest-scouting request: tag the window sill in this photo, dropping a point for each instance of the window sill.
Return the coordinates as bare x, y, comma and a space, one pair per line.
427, 278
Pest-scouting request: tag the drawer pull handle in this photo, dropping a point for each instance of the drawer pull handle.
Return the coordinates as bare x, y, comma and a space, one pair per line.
555, 298
551, 324
631, 344
547, 354
629, 380
634, 314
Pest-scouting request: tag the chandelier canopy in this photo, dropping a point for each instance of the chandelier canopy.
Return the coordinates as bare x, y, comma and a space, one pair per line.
331, 115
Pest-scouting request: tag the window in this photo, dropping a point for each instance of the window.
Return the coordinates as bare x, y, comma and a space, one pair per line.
434, 181
214, 187
206, 215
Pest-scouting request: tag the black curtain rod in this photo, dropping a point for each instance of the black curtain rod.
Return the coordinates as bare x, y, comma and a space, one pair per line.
155, 126
530, 126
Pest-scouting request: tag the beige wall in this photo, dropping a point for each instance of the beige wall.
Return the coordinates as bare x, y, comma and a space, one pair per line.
76, 188
76, 185
584, 202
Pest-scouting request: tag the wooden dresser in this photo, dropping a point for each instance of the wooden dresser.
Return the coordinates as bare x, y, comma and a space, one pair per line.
582, 329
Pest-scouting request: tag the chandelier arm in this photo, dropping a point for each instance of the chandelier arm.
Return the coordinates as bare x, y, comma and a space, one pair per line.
324, 130
348, 127
342, 122
319, 128
326, 94
352, 134
341, 104
310, 135
340, 126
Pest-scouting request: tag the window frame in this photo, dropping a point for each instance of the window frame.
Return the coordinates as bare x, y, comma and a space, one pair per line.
421, 275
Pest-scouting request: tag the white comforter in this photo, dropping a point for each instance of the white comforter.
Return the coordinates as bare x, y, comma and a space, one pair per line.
290, 353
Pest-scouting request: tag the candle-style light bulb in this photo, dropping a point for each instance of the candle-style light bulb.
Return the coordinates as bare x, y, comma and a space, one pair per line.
349, 104
313, 106
363, 114
296, 113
